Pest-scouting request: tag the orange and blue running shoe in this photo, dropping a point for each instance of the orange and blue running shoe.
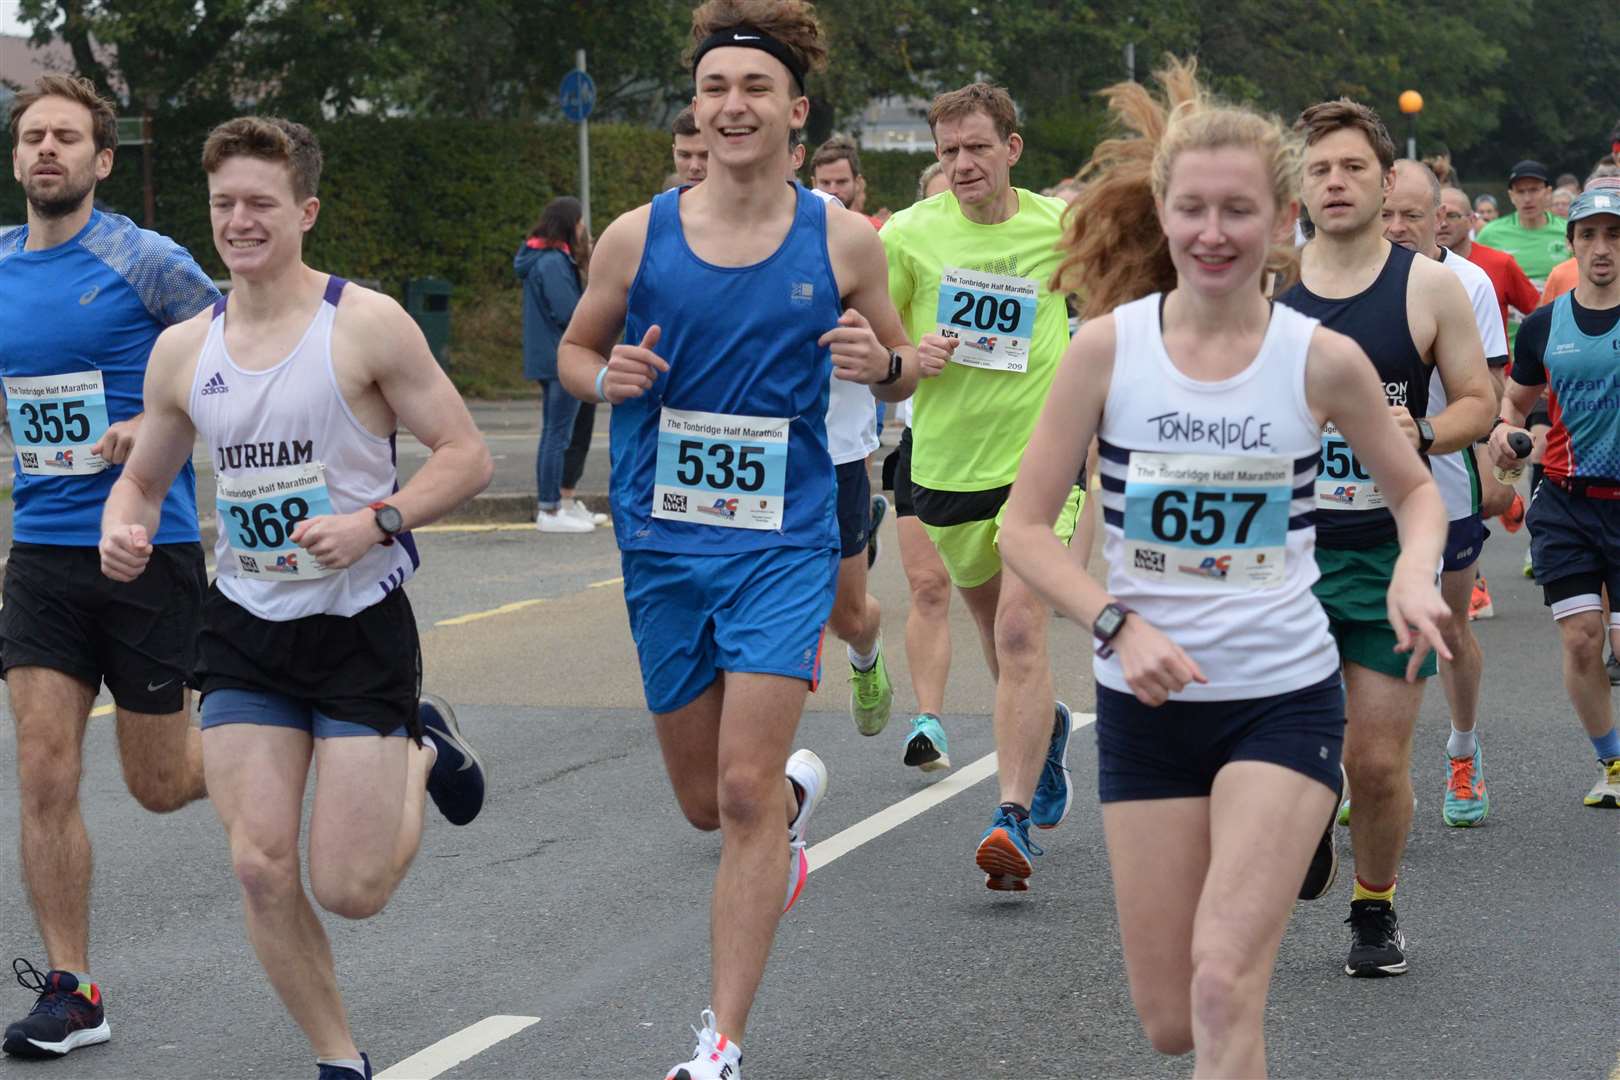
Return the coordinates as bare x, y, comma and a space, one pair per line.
1512, 518
1466, 800
1006, 853
66, 1015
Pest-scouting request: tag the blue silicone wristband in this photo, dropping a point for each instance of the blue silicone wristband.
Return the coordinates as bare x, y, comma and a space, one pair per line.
600, 377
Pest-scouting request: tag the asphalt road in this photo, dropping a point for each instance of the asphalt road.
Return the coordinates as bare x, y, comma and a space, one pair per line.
580, 896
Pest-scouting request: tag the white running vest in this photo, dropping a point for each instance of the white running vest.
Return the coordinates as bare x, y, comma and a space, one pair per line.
851, 408
285, 446
1208, 492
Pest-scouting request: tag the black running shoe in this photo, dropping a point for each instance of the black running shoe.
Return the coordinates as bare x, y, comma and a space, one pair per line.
1324, 868
65, 1017
457, 779
337, 1072
1612, 666
880, 510
1377, 946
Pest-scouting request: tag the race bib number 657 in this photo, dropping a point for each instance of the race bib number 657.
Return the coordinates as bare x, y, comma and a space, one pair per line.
1208, 522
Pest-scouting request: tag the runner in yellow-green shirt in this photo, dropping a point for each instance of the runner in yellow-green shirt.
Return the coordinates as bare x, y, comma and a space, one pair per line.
969, 271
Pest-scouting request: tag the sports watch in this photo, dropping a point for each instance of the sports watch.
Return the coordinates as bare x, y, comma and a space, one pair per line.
1108, 624
389, 520
1425, 436
896, 366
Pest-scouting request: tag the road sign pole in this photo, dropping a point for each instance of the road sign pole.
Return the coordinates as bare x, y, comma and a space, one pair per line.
584, 155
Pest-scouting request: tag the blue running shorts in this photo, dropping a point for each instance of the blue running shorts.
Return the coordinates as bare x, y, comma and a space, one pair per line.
1465, 540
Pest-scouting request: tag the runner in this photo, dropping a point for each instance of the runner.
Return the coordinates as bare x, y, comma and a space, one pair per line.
1530, 234
1411, 317
928, 585
1569, 347
1565, 275
969, 272
308, 646
724, 495
691, 152
1412, 212
1220, 711
83, 294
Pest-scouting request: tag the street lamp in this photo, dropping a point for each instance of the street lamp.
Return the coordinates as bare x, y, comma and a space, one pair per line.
1411, 103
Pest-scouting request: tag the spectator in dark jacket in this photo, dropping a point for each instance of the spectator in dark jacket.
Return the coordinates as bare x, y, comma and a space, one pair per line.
550, 264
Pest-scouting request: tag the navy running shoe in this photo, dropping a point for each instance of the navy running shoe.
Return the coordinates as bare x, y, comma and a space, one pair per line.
339, 1072
1054, 793
66, 1015
457, 778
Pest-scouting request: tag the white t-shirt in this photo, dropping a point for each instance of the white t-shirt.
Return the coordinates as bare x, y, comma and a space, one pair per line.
1455, 473
851, 408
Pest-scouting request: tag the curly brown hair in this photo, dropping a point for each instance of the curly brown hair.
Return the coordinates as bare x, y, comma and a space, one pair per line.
1115, 248
268, 138
792, 22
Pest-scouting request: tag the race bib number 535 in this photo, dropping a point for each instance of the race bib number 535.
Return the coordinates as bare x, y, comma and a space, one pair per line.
726, 471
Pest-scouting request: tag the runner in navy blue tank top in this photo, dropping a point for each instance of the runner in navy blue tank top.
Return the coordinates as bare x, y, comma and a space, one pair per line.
739, 298
1410, 316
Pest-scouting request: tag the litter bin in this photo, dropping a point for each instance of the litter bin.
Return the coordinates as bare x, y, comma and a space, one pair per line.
427, 300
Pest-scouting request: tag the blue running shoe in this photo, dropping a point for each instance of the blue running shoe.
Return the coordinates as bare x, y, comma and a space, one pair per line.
457, 779
925, 745
65, 1016
1054, 794
1467, 802
1006, 853
338, 1072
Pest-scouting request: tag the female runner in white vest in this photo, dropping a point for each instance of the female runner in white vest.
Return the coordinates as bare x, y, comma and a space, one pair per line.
1220, 714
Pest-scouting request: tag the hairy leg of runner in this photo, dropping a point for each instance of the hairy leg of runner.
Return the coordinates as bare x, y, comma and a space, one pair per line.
856, 617
1264, 823
1377, 756
367, 822
928, 627
1584, 677
51, 709
758, 718
1461, 674
1023, 716
256, 777
1158, 854
162, 758
690, 740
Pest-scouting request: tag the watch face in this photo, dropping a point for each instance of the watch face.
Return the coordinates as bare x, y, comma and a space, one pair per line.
389, 520
1108, 621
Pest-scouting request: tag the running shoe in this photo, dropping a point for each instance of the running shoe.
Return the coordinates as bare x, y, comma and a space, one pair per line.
1512, 518
1377, 946
1324, 868
926, 748
457, 779
1529, 568
1612, 666
809, 775
1604, 793
339, 1072
1466, 800
880, 509
1479, 605
1054, 794
715, 1058
870, 695
65, 1016
1006, 853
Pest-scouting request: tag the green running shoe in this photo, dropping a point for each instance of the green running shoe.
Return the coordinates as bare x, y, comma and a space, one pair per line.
870, 696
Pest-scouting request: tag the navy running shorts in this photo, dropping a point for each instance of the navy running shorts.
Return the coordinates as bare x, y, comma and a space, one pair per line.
854, 508
1175, 750
1465, 540
1574, 545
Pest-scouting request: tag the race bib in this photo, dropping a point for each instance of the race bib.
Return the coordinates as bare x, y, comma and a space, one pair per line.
1344, 483
1216, 523
725, 471
258, 514
992, 315
55, 420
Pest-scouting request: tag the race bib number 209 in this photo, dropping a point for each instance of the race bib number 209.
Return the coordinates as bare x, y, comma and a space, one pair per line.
991, 315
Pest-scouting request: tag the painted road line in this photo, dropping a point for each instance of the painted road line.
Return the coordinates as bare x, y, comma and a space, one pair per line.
841, 844
103, 710
504, 609
605, 584
498, 527
452, 1050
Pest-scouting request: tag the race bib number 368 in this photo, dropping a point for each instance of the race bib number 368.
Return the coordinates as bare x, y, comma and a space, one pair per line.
1207, 522
260, 511
729, 472
992, 315
55, 420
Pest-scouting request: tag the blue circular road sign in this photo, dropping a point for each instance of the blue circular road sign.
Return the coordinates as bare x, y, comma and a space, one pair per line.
577, 96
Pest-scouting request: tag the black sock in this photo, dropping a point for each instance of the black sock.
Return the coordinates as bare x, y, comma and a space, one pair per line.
1017, 811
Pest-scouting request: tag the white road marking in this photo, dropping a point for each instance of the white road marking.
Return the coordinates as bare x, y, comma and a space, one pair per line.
452, 1050
869, 829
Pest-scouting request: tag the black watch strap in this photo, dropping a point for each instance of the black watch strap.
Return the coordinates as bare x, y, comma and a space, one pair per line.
1109, 622
897, 367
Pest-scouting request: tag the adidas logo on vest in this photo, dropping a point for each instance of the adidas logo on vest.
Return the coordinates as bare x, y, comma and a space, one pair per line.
215, 385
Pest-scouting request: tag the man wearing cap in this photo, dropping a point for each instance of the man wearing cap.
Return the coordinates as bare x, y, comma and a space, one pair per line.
1534, 237
1570, 348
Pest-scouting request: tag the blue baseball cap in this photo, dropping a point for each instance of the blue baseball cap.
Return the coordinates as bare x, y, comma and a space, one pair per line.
1596, 200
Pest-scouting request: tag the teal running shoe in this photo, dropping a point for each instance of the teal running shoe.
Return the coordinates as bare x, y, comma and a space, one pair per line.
1466, 800
1006, 853
1054, 793
926, 748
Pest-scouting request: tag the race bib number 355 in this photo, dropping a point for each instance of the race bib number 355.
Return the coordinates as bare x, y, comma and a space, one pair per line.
726, 471
258, 514
1206, 522
1344, 482
55, 420
992, 315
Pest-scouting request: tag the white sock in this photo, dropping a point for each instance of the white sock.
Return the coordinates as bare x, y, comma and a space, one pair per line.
1461, 744
864, 661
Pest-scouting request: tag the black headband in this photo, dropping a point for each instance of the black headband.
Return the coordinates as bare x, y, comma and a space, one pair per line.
748, 37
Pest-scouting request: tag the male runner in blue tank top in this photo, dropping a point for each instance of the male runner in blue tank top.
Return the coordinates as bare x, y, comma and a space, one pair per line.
309, 648
83, 294
1572, 347
1411, 316
738, 298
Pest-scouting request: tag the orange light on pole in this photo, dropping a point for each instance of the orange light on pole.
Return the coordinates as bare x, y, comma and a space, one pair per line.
1411, 103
